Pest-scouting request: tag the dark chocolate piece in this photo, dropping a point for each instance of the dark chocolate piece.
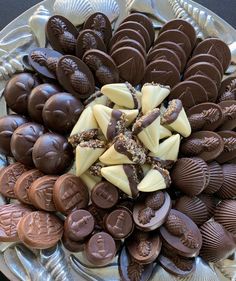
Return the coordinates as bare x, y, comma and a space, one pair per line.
229, 152
116, 124
216, 178
98, 215
229, 115
72, 246
134, 175
227, 89
228, 187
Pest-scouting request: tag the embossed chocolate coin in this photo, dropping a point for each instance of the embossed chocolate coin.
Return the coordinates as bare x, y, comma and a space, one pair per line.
229, 152
72, 246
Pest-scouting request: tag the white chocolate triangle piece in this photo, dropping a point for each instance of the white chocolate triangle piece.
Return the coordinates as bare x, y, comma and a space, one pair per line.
90, 180
99, 100
153, 95
85, 157
130, 115
103, 116
153, 181
181, 125
113, 157
119, 107
146, 168
164, 132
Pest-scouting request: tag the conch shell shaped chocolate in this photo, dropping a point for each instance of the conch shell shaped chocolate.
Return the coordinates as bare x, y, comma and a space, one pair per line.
216, 178
228, 188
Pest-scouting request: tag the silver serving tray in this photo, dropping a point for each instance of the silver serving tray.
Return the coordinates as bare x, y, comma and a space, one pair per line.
23, 34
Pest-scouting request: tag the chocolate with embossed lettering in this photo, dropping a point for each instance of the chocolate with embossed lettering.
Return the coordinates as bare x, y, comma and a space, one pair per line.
229, 152
229, 115
69, 193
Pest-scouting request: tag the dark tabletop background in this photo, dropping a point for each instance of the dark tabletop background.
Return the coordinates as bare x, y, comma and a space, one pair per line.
10, 9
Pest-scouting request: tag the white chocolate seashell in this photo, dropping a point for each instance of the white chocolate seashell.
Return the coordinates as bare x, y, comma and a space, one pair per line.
108, 7
37, 22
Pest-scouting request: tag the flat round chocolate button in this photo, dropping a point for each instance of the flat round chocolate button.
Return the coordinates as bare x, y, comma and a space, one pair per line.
229, 115
72, 246
229, 152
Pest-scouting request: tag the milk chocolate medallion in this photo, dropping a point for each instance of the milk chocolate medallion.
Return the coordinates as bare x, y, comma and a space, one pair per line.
17, 91
162, 72
229, 115
52, 154
227, 89
61, 34
40, 230
8, 124
75, 76
72, 246
98, 215
24, 182
10, 215
70, 192
88, 39
23, 140
130, 63
180, 232
228, 188
44, 61
101, 25
215, 47
100, 249
229, 152
102, 65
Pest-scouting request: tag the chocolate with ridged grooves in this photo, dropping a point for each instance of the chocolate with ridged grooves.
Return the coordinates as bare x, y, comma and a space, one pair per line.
228, 188
229, 115
229, 152
209, 201
216, 178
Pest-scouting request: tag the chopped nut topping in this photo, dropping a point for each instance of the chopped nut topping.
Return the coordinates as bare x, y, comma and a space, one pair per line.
84, 136
93, 144
95, 169
172, 112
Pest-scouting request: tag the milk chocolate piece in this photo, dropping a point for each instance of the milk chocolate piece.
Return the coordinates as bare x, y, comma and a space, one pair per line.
229, 152
228, 188
23, 140
205, 116
75, 76
227, 89
72, 246
44, 61
52, 154
100, 249
40, 230
101, 25
61, 112
61, 34
23, 184
229, 115
10, 215
104, 195
98, 215
8, 124
17, 91
216, 178
130, 63
37, 99
78, 225
88, 39
144, 247
180, 232
102, 65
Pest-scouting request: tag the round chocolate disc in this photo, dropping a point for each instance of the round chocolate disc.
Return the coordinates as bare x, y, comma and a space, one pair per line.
216, 48
162, 72
72, 246
88, 39
98, 215
23, 140
75, 76
229, 115
103, 67
130, 63
52, 154
229, 152
8, 124
225, 84
38, 97
70, 192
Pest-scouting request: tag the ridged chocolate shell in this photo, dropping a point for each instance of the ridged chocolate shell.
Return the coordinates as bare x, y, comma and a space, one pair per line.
189, 176
217, 243
210, 202
194, 208
205, 168
216, 178
228, 188
225, 214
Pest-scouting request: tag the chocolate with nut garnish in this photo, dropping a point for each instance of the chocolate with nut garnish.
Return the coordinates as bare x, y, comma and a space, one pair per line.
17, 91
204, 144
151, 213
23, 140
61, 34
104, 195
52, 154
24, 182
229, 115
72, 246
228, 188
40, 193
44, 61
69, 193
10, 215
216, 178
87, 135
144, 247
88, 39
205, 116
228, 89
101, 25
37, 99
75, 76
92, 100
100, 249
229, 152
95, 169
61, 112
8, 124
180, 232
40, 230
102, 65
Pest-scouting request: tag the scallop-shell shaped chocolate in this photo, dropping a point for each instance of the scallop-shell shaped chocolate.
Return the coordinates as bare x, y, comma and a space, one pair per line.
210, 202
228, 188
225, 215
216, 178
189, 176
205, 168
194, 208
217, 243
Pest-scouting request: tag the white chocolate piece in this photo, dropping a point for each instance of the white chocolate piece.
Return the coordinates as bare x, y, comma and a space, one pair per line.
146, 168
119, 107
164, 132
168, 149
181, 124
86, 122
99, 100
130, 115
153, 95
153, 181
113, 157
85, 157
90, 180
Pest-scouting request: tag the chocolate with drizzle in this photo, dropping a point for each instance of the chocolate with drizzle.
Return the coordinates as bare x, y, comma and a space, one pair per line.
172, 112
116, 124
134, 175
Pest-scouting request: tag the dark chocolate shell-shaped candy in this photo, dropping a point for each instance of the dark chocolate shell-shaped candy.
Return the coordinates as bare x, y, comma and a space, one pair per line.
210, 202
229, 115
228, 188
216, 178
175, 225
155, 200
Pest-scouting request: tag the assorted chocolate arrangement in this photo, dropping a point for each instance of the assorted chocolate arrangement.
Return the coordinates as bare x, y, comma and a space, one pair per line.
150, 126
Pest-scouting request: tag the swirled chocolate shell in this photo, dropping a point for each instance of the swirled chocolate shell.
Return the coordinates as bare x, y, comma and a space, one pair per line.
228, 89
75, 76
216, 178
228, 188
229, 152
229, 115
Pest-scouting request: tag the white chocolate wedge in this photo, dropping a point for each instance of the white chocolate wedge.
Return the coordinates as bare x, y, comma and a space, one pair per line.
130, 115
164, 132
112, 157
153, 95
96, 98
90, 180
146, 168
